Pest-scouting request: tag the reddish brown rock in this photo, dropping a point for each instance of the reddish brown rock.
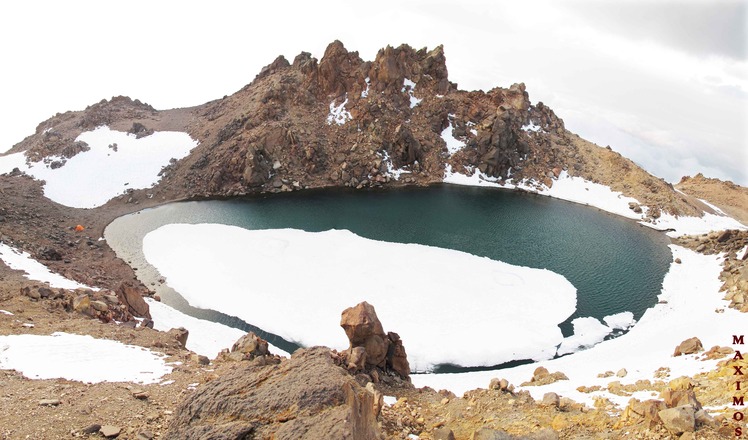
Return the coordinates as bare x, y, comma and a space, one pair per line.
304, 397
674, 398
689, 346
132, 297
180, 334
369, 345
363, 328
251, 346
397, 359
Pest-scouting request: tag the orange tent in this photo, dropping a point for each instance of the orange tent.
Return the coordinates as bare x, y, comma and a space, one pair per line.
79, 228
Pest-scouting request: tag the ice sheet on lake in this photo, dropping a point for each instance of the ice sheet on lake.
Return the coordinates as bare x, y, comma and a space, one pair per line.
446, 305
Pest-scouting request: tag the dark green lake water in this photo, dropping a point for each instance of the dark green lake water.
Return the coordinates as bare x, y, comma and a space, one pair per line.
615, 264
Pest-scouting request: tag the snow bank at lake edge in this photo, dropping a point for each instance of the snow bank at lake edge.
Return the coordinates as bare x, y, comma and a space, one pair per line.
578, 190
689, 302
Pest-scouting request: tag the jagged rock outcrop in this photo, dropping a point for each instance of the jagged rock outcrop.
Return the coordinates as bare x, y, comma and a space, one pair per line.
369, 345
304, 397
131, 296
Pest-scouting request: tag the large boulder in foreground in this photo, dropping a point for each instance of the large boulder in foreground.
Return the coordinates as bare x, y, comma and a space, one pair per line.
304, 397
363, 328
369, 345
132, 296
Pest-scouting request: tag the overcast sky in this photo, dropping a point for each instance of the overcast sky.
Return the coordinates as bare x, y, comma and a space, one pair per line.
664, 83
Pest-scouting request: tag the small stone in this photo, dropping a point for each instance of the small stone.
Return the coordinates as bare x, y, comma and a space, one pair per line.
140, 394
112, 299
494, 384
99, 306
33, 294
723, 237
81, 303
551, 399
678, 420
49, 402
91, 429
110, 431
180, 334
445, 401
622, 372
145, 435
443, 434
703, 418
201, 359
678, 261
45, 292
689, 346
540, 373
503, 384
152, 416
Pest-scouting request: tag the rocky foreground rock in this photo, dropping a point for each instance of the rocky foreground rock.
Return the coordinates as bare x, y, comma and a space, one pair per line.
369, 345
305, 397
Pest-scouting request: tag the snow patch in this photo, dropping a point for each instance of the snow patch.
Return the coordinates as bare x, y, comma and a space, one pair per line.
246, 274
576, 189
620, 321
206, 337
80, 358
410, 87
531, 127
689, 298
588, 332
393, 172
453, 144
338, 114
5, 312
365, 93
714, 208
91, 178
36, 271
695, 225
741, 254
477, 178
390, 400
15, 160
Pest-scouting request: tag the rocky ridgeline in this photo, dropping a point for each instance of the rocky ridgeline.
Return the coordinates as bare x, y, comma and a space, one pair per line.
734, 275
342, 121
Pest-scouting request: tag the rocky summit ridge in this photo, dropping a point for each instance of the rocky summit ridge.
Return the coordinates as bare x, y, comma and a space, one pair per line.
343, 121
